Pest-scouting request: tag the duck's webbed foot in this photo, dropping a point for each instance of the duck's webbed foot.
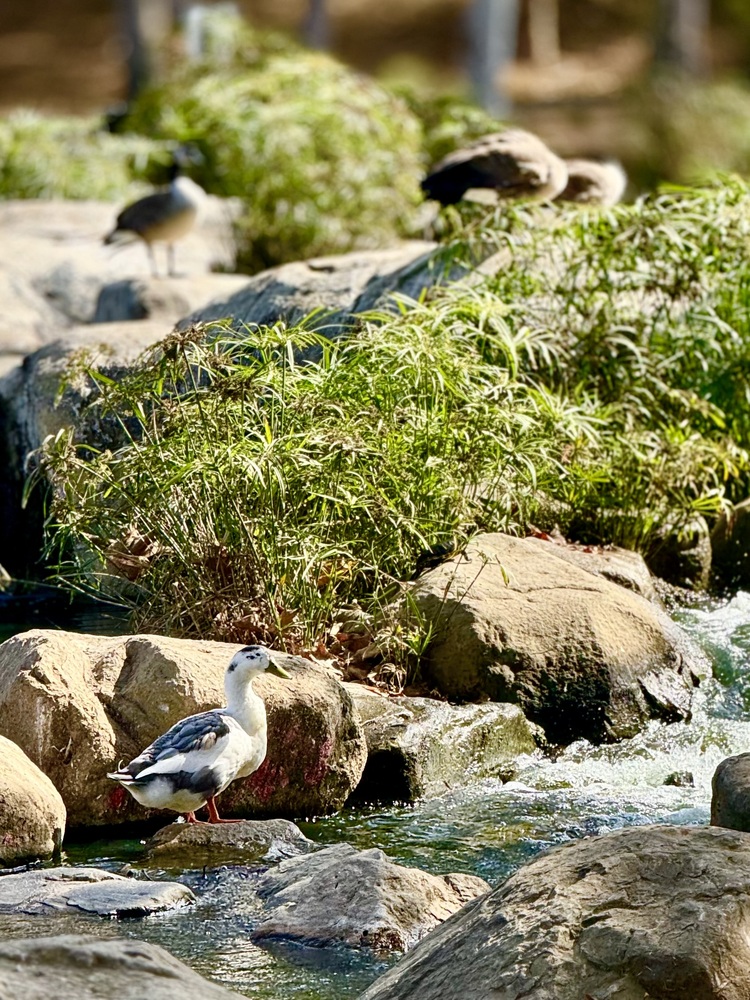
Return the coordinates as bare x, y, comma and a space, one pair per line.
213, 813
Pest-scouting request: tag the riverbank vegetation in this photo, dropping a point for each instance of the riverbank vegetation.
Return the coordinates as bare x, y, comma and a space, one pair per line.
596, 380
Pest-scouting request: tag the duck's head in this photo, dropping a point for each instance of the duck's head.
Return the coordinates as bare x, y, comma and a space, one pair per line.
251, 661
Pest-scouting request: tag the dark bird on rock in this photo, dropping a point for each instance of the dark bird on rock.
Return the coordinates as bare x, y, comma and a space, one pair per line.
594, 182
513, 164
201, 755
164, 216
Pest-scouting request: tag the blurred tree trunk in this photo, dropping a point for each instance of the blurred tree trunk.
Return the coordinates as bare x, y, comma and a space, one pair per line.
317, 29
145, 25
544, 31
493, 36
682, 30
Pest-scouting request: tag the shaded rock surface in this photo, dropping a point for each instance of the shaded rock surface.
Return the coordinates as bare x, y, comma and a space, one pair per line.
89, 968
647, 912
338, 285
32, 813
248, 840
582, 657
157, 298
682, 556
421, 746
730, 546
358, 898
78, 704
730, 799
88, 890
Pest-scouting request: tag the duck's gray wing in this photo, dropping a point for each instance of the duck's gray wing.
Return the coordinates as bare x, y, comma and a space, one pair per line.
147, 212
197, 732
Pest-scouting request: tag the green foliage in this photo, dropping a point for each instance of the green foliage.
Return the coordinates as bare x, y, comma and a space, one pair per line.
697, 128
323, 159
48, 157
597, 380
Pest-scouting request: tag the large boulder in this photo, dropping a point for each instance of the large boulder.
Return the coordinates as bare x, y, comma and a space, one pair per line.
79, 704
422, 746
88, 890
730, 799
32, 813
583, 657
660, 912
341, 895
89, 968
618, 565
730, 546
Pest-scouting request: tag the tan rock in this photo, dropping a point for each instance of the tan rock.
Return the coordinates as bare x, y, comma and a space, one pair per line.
79, 704
583, 657
32, 813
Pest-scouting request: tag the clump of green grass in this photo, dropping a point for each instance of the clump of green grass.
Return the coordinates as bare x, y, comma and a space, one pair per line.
68, 157
323, 159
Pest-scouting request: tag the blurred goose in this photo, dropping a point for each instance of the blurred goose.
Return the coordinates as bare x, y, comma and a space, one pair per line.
164, 216
200, 756
594, 182
514, 164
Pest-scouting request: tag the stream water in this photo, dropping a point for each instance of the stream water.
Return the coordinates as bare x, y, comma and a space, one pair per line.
487, 828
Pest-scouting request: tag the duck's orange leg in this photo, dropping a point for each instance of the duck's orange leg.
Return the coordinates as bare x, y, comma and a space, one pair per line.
213, 813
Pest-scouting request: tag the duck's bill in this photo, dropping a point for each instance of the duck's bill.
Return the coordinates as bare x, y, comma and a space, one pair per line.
278, 671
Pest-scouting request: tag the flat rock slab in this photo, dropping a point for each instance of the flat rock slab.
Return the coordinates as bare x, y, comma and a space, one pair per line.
88, 968
422, 746
361, 898
88, 890
730, 799
648, 912
247, 840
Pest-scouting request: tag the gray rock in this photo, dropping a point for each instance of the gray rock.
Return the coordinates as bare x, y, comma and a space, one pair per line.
88, 968
338, 285
157, 298
730, 799
730, 546
340, 895
682, 555
248, 840
88, 890
582, 657
660, 912
32, 813
422, 746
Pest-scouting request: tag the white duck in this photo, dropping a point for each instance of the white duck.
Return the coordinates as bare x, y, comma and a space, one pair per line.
201, 755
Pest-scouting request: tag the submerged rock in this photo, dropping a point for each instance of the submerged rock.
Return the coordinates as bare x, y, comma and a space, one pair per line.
341, 895
77, 704
248, 840
730, 801
582, 656
88, 890
658, 911
88, 968
421, 746
32, 813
